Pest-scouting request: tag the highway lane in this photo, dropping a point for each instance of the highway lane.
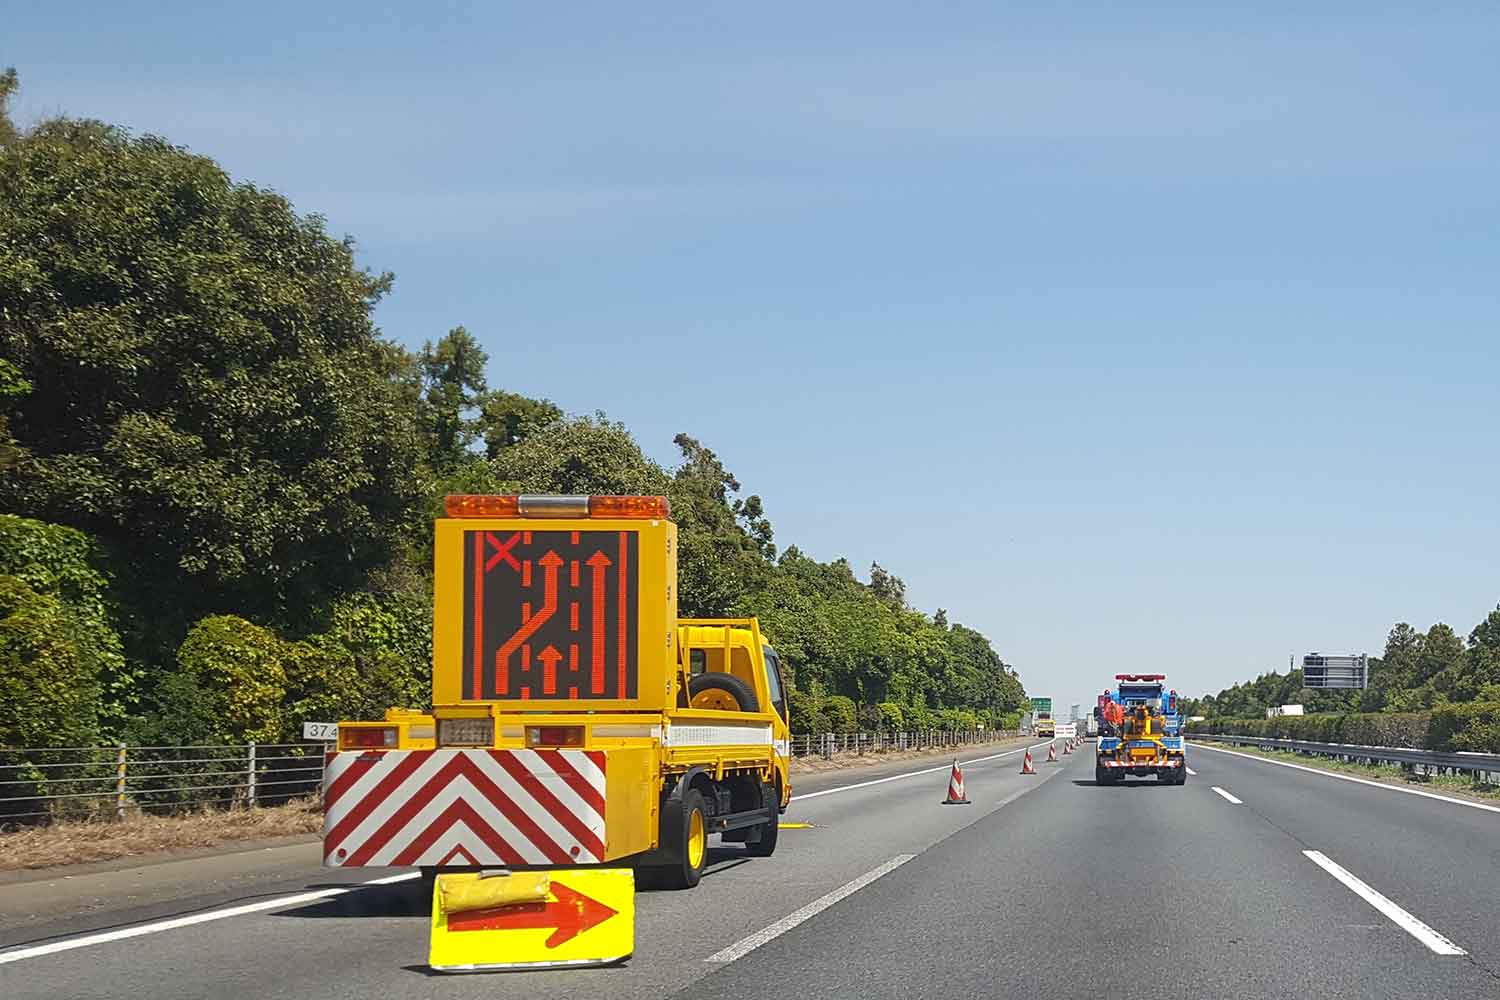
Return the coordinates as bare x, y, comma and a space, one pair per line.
374, 940
1046, 886
1147, 890
1439, 861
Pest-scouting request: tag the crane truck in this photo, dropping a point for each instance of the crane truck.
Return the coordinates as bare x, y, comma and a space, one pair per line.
576, 721
1141, 732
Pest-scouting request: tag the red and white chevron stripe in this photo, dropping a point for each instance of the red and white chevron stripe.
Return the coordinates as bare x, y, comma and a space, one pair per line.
463, 807
1145, 762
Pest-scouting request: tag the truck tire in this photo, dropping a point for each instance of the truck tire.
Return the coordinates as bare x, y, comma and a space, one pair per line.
1102, 776
722, 691
766, 845
691, 848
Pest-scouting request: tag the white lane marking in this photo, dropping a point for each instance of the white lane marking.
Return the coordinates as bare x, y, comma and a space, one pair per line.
1192, 773
744, 946
1432, 939
910, 774
104, 937
1350, 777
1231, 798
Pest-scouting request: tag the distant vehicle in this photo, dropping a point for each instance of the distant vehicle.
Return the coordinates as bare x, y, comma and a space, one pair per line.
1091, 726
1046, 725
1274, 711
1148, 739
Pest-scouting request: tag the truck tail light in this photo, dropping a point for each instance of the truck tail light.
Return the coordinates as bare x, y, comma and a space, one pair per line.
554, 736
637, 508
466, 732
367, 738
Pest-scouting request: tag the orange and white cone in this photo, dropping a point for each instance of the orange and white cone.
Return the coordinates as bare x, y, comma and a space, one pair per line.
1067, 747
1027, 767
956, 795
1052, 753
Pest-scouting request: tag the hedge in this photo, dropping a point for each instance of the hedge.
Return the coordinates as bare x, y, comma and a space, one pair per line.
1471, 726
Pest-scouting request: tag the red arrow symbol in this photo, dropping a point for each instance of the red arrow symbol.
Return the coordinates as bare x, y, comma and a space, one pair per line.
528, 628
571, 915
598, 562
549, 657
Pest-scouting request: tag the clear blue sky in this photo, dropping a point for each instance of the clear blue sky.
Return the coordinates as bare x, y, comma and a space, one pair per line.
1149, 338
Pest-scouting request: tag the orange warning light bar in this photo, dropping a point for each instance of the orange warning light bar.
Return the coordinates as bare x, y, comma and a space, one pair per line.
476, 505
655, 508
470, 505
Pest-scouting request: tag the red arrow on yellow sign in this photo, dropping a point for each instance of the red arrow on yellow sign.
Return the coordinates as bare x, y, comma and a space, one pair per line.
532, 920
571, 915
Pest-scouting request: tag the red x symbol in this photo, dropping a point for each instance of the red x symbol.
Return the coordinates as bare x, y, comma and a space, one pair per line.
502, 552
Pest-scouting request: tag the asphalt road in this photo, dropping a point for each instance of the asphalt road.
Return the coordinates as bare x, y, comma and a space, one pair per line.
1046, 886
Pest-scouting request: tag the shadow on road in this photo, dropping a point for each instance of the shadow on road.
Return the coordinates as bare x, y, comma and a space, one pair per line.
404, 899
414, 898
1143, 783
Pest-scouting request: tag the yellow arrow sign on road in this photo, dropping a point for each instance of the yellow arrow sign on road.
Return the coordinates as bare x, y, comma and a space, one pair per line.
586, 917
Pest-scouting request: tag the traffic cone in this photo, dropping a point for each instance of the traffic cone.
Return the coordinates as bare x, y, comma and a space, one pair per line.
1067, 748
956, 796
1026, 766
1052, 753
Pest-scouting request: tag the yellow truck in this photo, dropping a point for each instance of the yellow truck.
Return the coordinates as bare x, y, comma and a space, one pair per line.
576, 720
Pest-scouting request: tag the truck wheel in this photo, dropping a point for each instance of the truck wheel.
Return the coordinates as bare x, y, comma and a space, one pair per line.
692, 848
1102, 776
724, 692
766, 845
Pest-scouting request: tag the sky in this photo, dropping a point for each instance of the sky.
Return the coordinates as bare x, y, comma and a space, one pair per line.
1146, 339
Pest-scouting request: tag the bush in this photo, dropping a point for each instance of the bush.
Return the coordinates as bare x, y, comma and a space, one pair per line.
840, 713
238, 667
49, 672
892, 718
807, 715
1473, 726
67, 566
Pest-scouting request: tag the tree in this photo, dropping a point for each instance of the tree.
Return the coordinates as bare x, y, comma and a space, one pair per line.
208, 395
506, 419
9, 84
453, 387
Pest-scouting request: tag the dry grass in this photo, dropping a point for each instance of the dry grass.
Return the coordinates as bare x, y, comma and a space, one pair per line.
75, 842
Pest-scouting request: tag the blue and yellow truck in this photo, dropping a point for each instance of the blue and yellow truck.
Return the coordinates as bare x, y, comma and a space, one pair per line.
1142, 732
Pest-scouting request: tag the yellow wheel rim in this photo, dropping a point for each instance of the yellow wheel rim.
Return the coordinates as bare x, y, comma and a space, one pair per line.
697, 839
713, 698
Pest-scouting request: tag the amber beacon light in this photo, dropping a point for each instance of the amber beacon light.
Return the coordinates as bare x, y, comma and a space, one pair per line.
477, 505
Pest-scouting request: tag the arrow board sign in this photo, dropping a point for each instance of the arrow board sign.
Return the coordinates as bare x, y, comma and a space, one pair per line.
586, 918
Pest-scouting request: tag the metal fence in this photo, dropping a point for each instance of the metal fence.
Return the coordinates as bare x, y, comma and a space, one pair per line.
42, 784
38, 785
828, 744
1483, 766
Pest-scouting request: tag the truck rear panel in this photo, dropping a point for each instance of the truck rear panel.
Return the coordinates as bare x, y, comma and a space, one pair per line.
487, 807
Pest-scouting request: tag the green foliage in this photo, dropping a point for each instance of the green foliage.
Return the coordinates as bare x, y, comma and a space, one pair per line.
892, 719
239, 667
840, 713
48, 672
67, 566
208, 393
9, 84
1474, 726
1417, 671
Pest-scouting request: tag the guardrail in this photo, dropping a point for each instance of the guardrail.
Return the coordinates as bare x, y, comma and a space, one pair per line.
40, 784
828, 744
1484, 766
